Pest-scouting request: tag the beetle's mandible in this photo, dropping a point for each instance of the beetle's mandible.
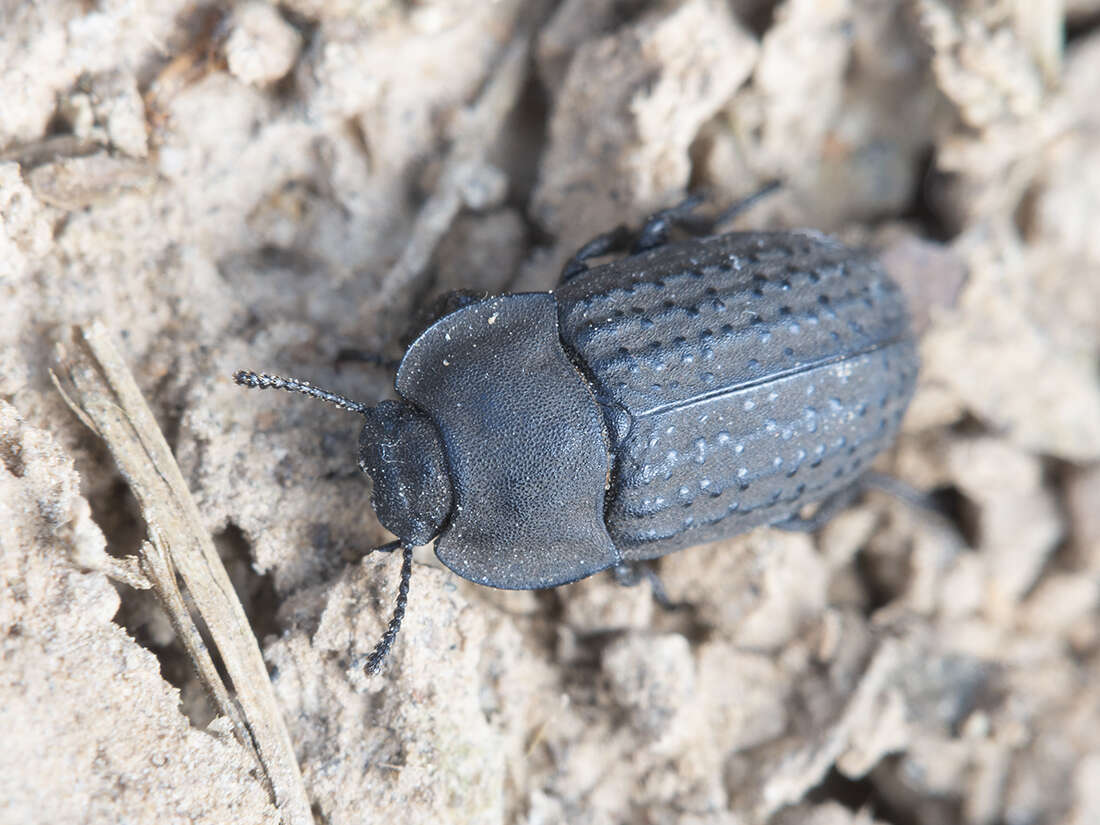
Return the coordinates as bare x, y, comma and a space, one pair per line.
688, 391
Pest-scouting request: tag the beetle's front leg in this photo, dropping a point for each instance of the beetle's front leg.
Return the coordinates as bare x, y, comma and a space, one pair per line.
423, 318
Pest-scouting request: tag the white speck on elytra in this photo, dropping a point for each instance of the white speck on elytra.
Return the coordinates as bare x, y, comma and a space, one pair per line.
493, 318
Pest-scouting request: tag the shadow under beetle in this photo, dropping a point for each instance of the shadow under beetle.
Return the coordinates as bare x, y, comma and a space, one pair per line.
689, 391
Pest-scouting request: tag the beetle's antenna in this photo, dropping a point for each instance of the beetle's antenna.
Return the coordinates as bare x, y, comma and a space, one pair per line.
378, 655
263, 381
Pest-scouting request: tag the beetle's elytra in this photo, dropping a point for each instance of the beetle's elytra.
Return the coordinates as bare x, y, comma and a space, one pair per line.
686, 392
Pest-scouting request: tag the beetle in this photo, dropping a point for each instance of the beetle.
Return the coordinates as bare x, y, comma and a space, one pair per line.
687, 391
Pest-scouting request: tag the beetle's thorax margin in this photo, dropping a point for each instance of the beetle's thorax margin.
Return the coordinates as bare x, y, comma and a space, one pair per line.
525, 441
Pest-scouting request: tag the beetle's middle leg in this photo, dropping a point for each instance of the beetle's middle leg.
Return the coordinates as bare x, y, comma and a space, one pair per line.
617, 240
630, 574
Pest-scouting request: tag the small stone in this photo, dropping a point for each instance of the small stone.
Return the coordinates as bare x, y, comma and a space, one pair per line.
262, 47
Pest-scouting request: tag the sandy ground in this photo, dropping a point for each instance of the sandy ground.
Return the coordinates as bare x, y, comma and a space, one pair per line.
258, 186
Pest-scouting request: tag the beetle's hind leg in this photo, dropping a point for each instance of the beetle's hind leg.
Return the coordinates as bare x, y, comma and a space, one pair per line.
654, 233
826, 510
657, 226
631, 574
617, 240
656, 229
736, 208
388, 547
870, 480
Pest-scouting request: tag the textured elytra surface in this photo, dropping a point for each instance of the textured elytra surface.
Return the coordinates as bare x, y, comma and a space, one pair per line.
747, 375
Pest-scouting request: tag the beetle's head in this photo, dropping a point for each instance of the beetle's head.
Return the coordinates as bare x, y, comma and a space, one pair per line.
401, 450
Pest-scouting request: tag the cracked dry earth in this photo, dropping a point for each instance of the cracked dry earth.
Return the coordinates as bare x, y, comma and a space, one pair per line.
270, 186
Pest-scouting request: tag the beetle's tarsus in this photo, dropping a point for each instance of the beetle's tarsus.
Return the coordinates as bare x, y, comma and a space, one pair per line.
895, 487
684, 217
915, 498
735, 209
378, 655
263, 381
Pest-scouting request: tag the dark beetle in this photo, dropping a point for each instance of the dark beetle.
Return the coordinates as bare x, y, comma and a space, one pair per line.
689, 391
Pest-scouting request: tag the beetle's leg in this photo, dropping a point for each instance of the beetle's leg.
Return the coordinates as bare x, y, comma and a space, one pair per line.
378, 655
895, 487
422, 318
918, 499
682, 216
627, 574
871, 479
829, 507
630, 574
737, 207
617, 240
654, 231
